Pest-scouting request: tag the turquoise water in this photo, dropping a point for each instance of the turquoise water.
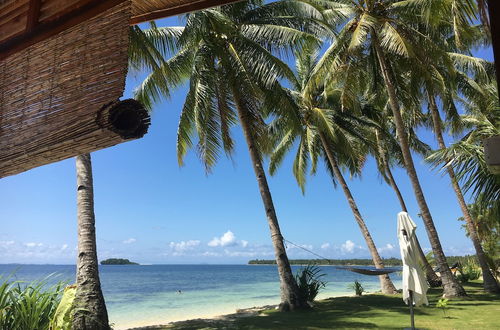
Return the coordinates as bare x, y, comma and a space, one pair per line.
148, 294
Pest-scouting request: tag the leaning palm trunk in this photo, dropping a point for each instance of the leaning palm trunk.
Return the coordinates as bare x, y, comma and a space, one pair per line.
451, 287
90, 310
432, 278
385, 281
290, 296
489, 281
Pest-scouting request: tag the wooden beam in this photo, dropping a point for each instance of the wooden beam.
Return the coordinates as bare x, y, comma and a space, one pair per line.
494, 13
33, 14
177, 10
45, 30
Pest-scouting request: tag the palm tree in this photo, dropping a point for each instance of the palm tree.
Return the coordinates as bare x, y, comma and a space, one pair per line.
450, 82
488, 229
384, 32
466, 156
388, 154
90, 310
327, 130
227, 54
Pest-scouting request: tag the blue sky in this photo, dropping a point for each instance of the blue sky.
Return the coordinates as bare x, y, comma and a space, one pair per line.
151, 211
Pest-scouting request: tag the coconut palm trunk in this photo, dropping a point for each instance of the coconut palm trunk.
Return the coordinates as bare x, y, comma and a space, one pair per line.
385, 281
451, 287
290, 295
90, 309
489, 281
432, 278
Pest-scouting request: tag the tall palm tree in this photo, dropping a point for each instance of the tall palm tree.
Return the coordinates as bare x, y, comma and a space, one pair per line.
464, 160
466, 156
327, 130
385, 32
90, 310
448, 77
227, 55
445, 84
388, 154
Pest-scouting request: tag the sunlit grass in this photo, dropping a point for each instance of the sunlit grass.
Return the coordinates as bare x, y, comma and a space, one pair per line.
479, 311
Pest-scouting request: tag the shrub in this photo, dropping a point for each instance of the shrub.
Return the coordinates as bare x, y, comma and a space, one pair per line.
28, 306
471, 269
357, 287
309, 282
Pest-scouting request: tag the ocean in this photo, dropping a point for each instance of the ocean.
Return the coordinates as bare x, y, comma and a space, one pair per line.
139, 295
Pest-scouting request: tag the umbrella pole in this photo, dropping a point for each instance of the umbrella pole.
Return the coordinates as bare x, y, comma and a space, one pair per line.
412, 316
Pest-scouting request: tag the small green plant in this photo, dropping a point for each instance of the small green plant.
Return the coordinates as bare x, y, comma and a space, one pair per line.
309, 282
28, 306
443, 304
357, 287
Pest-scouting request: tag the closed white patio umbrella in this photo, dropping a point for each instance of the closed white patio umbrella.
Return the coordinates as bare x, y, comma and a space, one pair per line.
414, 282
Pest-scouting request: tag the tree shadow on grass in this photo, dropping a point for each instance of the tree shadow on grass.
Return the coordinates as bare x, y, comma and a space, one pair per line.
338, 313
370, 311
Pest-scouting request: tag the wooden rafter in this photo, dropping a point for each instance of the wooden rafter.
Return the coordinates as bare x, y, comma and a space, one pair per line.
33, 14
177, 10
27, 22
63, 20
494, 13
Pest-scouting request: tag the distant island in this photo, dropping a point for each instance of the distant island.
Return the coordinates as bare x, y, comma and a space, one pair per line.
118, 261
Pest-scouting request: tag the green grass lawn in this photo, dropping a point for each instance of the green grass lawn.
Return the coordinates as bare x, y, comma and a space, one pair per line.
479, 311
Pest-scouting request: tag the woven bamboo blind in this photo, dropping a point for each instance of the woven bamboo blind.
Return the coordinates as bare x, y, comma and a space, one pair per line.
53, 94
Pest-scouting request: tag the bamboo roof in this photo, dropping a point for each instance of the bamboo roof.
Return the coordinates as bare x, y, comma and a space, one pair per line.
25, 22
63, 65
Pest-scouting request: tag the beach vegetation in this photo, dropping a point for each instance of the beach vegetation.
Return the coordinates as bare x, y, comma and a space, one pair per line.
357, 287
469, 270
310, 282
28, 305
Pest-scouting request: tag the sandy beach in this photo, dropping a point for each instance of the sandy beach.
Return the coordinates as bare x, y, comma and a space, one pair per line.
226, 314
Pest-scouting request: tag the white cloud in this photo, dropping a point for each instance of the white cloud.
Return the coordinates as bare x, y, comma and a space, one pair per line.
183, 246
33, 244
387, 248
34, 252
348, 246
228, 239
244, 243
325, 246
129, 241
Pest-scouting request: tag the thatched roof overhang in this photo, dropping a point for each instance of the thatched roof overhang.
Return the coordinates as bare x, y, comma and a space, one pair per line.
63, 65
26, 22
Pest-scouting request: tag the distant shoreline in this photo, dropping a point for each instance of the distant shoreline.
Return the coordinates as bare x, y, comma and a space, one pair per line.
389, 262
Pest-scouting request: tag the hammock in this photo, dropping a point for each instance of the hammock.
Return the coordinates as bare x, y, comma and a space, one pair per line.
365, 271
